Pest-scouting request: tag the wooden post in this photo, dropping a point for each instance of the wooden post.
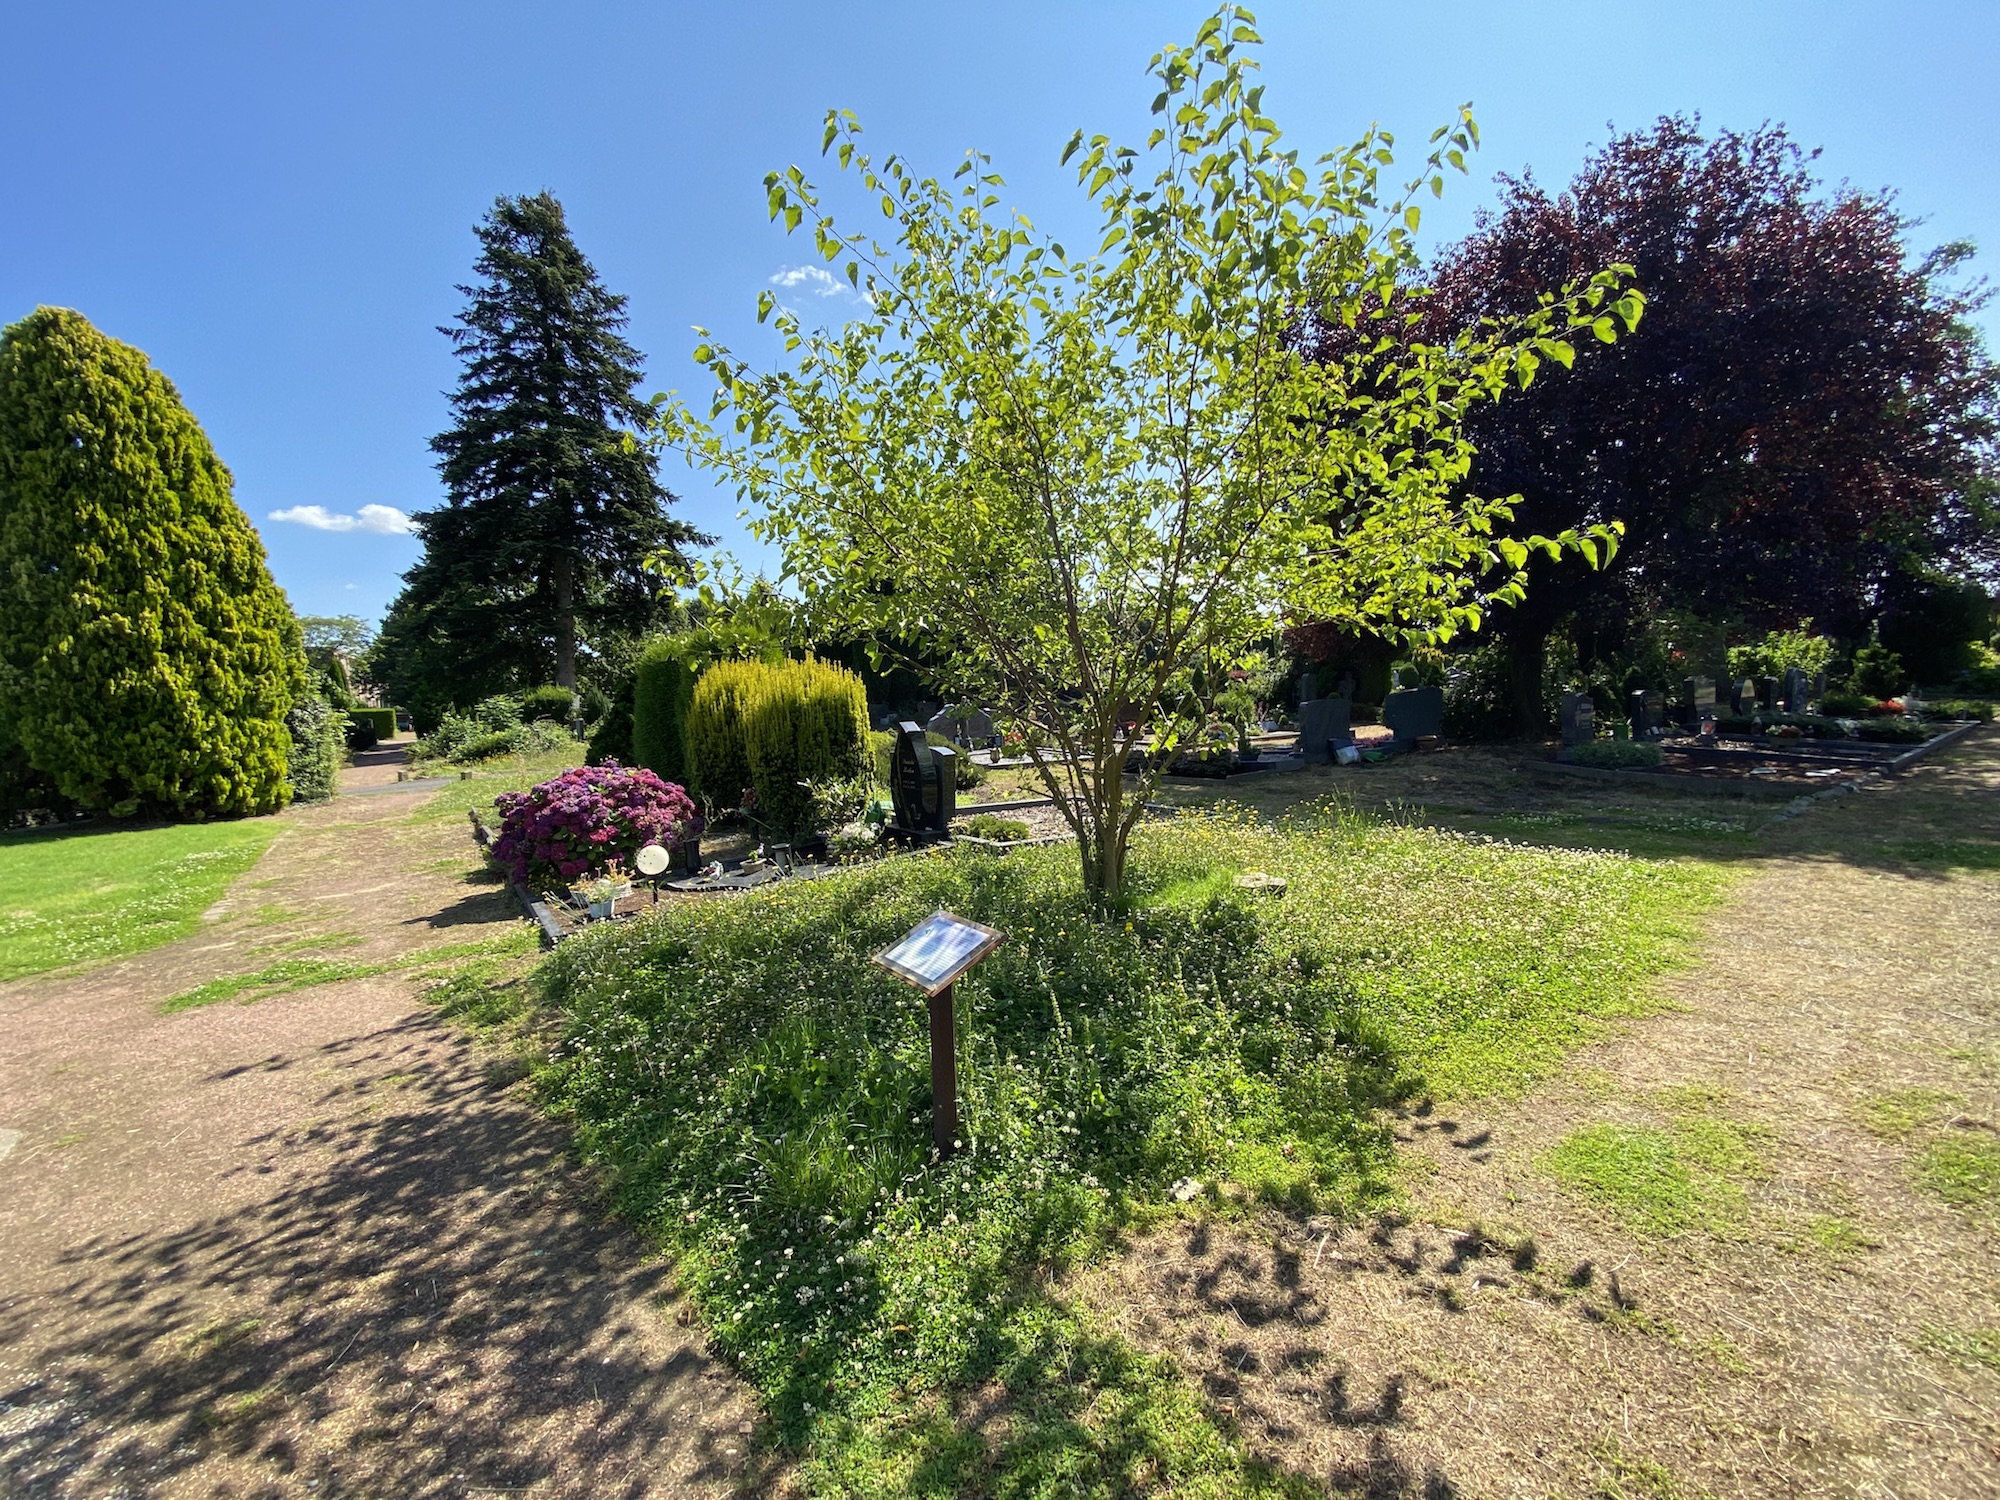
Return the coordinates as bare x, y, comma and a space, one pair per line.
944, 1074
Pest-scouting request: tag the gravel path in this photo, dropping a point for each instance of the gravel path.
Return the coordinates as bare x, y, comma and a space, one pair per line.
319, 1245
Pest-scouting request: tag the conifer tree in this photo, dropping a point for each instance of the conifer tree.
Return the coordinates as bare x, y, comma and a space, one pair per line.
552, 504
147, 660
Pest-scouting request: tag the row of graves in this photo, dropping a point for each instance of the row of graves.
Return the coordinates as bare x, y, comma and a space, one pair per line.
1412, 719
1760, 736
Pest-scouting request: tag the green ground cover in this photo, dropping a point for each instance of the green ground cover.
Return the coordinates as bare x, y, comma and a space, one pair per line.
757, 1091
80, 897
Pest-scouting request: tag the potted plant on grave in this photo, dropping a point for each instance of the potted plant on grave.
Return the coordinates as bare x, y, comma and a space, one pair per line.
602, 895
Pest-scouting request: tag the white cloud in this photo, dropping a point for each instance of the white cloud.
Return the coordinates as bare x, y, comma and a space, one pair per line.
819, 282
384, 520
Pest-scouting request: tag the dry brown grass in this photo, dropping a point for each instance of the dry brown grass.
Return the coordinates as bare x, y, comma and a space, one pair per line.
1503, 1334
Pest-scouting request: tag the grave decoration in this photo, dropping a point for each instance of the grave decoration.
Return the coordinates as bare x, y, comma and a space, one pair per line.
1697, 701
1579, 719
1323, 728
1412, 713
923, 784
931, 956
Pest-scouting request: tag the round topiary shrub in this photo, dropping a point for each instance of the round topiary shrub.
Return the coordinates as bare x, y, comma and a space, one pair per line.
550, 704
575, 825
146, 657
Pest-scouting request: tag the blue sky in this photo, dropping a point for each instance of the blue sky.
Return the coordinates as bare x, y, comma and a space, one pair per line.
275, 202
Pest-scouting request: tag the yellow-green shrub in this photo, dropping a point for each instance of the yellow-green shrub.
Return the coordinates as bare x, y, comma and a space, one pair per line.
718, 764
804, 721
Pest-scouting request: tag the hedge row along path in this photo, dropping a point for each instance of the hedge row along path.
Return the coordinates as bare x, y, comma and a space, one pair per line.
316, 1245
321, 1244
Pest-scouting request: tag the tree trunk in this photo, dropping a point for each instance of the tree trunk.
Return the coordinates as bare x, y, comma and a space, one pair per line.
1527, 648
565, 582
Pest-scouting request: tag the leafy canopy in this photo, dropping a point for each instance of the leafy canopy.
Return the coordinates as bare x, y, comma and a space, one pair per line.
1077, 478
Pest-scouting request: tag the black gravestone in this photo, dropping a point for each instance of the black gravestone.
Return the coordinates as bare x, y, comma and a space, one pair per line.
1743, 698
1579, 719
1412, 713
923, 782
1771, 695
1648, 711
1323, 723
1697, 700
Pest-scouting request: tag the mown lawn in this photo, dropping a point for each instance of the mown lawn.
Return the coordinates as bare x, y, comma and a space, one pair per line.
82, 897
758, 1093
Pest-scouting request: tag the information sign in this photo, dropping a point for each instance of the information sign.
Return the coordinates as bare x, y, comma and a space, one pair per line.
937, 950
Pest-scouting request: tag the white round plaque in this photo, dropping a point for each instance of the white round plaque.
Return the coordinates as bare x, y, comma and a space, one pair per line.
653, 860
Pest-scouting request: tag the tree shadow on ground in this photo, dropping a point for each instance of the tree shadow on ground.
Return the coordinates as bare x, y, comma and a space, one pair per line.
427, 1303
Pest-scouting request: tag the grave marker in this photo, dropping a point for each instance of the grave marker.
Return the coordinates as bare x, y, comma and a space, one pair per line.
1579, 719
1793, 695
923, 782
1648, 712
1697, 700
1412, 713
1743, 701
1323, 728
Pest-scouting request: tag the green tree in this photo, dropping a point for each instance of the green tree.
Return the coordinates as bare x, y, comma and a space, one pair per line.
552, 505
1080, 479
348, 635
146, 657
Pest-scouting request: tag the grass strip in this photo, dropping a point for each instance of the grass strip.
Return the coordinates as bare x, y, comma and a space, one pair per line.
74, 897
290, 974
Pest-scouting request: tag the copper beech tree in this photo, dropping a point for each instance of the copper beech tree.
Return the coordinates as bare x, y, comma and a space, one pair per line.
1076, 478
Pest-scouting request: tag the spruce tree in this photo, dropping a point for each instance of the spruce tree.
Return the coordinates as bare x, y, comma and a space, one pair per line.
552, 503
147, 660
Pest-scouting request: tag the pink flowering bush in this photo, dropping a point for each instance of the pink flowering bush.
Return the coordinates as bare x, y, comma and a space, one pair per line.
581, 822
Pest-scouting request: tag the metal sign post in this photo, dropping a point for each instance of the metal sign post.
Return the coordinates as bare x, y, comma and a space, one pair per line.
931, 956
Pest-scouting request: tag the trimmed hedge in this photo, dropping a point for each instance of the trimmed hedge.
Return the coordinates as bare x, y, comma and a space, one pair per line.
662, 690
314, 764
147, 660
718, 763
381, 720
803, 722
552, 703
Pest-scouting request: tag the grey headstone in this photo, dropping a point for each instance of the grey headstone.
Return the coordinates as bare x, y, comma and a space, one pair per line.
1794, 692
1579, 719
962, 725
1323, 724
1413, 713
1771, 695
1697, 700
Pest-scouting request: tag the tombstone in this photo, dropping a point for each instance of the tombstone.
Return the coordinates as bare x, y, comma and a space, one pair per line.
923, 782
1793, 695
1323, 727
1697, 700
1413, 713
1771, 695
1579, 719
1743, 699
1819, 685
1648, 708
962, 725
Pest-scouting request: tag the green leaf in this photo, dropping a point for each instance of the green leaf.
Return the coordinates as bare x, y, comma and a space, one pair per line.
1605, 330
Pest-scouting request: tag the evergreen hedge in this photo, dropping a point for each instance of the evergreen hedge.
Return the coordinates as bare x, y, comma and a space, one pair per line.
718, 764
551, 702
146, 657
803, 722
662, 691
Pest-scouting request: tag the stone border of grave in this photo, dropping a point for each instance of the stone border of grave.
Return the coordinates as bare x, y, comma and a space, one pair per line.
1694, 784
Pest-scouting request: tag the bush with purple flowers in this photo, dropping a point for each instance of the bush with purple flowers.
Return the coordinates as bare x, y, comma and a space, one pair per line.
577, 824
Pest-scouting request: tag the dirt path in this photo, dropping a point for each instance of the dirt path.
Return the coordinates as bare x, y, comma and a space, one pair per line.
316, 1245
1799, 1325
